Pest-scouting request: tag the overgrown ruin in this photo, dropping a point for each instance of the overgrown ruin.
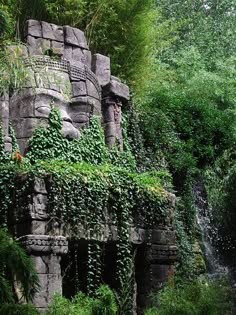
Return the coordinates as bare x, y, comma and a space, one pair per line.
61, 69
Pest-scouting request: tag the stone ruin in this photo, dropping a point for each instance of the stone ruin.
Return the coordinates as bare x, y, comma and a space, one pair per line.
60, 67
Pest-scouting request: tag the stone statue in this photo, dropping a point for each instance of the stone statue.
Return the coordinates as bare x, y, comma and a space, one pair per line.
61, 70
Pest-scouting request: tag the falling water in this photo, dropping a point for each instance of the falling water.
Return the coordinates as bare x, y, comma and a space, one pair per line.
209, 232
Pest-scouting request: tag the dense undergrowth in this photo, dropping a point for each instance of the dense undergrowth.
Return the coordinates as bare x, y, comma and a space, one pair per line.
179, 59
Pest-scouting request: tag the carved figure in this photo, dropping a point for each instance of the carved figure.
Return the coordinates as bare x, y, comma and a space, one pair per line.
61, 68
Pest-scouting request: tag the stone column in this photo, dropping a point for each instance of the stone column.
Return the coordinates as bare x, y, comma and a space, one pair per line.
111, 111
46, 252
155, 263
4, 121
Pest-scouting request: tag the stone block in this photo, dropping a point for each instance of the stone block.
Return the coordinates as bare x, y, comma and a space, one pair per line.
50, 284
57, 48
163, 236
75, 37
22, 145
115, 78
38, 226
38, 46
101, 66
33, 28
87, 58
77, 54
49, 264
108, 113
95, 105
22, 104
68, 52
53, 80
24, 127
4, 108
52, 31
78, 89
92, 90
117, 89
159, 273
81, 55
29, 81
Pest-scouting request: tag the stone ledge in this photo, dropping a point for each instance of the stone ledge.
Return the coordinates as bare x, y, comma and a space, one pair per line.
45, 244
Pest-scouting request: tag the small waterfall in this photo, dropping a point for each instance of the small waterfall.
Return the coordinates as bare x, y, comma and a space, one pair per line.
209, 232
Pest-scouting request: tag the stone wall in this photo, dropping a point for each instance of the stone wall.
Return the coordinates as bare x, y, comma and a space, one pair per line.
47, 242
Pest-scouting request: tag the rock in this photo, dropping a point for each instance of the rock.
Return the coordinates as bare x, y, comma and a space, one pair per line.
116, 89
38, 46
52, 31
33, 28
78, 88
57, 48
101, 66
75, 37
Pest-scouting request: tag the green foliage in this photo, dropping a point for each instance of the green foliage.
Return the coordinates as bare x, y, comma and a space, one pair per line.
12, 67
103, 304
14, 309
48, 143
85, 197
199, 297
18, 267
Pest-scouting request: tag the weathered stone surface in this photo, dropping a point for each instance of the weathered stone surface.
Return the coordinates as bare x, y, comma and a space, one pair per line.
52, 31
108, 113
163, 236
78, 88
53, 80
68, 52
50, 284
92, 90
34, 28
115, 78
87, 59
96, 106
57, 48
49, 264
24, 127
101, 66
22, 104
37, 46
4, 114
116, 89
75, 37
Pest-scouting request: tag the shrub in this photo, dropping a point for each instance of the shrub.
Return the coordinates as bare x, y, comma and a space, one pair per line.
199, 297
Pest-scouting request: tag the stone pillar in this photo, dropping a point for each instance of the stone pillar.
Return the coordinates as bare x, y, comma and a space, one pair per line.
4, 121
111, 111
155, 263
46, 252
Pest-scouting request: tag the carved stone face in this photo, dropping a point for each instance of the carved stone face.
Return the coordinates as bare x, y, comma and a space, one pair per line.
74, 90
